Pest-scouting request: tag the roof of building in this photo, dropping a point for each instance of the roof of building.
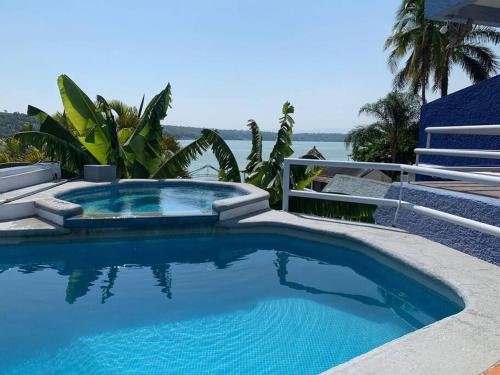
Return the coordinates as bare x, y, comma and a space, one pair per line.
314, 152
327, 173
481, 12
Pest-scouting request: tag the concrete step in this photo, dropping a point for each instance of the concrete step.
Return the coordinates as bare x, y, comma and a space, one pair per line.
27, 191
29, 226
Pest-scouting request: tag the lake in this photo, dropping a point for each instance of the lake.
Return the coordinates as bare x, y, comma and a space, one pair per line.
241, 149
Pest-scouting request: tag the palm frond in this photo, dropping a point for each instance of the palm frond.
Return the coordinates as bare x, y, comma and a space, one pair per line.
474, 69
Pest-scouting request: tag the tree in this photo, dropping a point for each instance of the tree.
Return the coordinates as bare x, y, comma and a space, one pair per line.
430, 49
394, 134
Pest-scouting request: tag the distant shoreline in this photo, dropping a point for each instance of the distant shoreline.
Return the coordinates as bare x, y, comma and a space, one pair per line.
189, 132
11, 123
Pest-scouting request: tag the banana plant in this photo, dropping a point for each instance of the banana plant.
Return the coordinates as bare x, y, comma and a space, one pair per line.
88, 132
268, 174
228, 167
56, 142
255, 156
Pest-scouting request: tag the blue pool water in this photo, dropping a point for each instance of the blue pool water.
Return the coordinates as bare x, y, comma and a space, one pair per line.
221, 304
132, 200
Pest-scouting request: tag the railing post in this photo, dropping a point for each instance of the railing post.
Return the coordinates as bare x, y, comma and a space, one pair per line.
286, 184
428, 143
396, 214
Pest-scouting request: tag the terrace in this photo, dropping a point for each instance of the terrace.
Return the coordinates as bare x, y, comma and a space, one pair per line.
172, 275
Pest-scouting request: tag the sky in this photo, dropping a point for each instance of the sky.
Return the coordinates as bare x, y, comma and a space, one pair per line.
227, 60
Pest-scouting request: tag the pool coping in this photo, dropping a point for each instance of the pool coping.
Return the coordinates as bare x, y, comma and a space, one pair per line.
465, 343
49, 206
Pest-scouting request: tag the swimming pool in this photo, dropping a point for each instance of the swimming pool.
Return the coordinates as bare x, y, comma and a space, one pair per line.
232, 303
128, 200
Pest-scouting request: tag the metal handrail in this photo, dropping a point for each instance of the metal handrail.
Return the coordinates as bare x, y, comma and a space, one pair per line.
452, 175
481, 154
398, 203
345, 164
466, 130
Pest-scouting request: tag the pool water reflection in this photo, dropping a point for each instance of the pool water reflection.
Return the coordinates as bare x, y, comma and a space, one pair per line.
201, 304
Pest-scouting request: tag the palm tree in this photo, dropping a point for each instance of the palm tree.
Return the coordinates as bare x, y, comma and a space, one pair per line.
393, 136
431, 49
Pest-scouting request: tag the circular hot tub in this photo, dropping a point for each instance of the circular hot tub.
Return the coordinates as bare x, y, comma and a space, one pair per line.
132, 203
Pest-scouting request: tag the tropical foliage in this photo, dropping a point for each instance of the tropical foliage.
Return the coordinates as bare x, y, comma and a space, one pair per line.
12, 151
113, 133
394, 134
267, 174
431, 49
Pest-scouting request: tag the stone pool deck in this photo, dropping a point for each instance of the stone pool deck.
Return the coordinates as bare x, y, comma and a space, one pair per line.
30, 226
466, 343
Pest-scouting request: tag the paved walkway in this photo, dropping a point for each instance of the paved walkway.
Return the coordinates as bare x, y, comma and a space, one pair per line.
29, 226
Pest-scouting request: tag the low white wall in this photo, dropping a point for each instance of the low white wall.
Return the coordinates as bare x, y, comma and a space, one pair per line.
20, 177
12, 211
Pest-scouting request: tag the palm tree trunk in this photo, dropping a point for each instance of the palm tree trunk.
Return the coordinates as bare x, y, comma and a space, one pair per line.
394, 148
424, 97
445, 76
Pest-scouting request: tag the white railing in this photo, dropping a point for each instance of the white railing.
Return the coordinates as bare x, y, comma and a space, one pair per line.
481, 154
397, 203
490, 130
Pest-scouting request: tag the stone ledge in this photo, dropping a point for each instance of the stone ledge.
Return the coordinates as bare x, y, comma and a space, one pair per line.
59, 207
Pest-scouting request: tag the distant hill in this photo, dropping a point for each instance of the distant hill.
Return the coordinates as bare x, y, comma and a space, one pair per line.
188, 132
11, 123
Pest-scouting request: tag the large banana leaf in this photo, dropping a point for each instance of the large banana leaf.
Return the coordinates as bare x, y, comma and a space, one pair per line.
302, 176
85, 119
71, 157
228, 166
50, 125
55, 141
255, 156
180, 161
267, 175
145, 143
116, 154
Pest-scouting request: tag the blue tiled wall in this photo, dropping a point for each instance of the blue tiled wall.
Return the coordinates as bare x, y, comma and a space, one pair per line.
475, 105
484, 209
